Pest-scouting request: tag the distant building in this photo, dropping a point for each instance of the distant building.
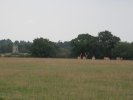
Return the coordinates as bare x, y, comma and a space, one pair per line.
15, 48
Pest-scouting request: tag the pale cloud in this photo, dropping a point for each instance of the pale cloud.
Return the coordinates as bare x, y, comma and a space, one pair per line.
65, 19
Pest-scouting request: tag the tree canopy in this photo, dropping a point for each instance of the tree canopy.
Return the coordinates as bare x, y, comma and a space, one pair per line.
83, 44
103, 45
107, 41
43, 48
99, 46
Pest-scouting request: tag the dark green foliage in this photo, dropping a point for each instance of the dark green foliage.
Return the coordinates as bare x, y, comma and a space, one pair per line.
64, 49
66, 44
23, 46
84, 44
43, 48
124, 50
99, 47
107, 42
103, 45
63, 53
6, 46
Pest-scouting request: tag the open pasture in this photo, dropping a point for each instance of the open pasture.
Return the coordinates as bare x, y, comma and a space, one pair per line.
65, 79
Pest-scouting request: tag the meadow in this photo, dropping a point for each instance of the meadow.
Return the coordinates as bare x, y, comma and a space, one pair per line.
65, 79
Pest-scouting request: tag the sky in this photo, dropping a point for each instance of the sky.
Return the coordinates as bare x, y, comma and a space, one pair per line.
64, 19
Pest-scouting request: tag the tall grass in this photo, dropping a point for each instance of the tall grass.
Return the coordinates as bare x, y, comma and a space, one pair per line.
65, 79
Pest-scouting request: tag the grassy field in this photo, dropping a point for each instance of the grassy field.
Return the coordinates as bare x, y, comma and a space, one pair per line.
65, 79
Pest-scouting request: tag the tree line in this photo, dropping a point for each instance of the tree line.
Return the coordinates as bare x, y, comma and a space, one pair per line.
104, 45
6, 46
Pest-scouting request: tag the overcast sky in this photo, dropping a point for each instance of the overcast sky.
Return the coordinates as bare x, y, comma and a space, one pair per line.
65, 19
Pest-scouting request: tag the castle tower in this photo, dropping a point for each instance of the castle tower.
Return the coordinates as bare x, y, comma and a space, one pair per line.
15, 48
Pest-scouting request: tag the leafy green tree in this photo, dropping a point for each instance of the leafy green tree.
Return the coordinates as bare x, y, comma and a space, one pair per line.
6, 46
43, 48
24, 47
107, 42
84, 44
16, 42
124, 50
66, 44
64, 49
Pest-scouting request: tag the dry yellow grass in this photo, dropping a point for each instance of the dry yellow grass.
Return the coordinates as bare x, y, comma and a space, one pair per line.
65, 79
